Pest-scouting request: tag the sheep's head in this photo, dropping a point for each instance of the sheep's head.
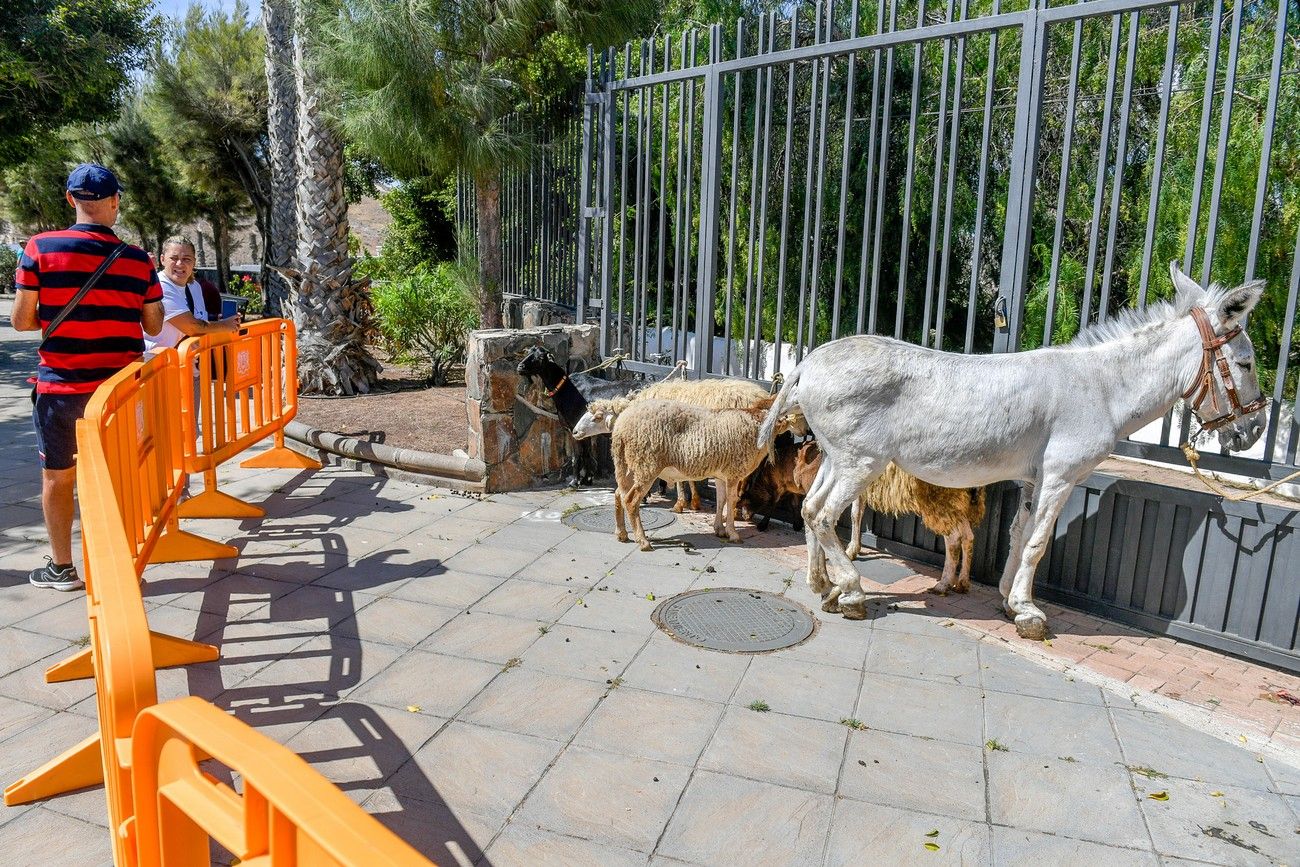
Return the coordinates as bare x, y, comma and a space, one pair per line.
533, 362
599, 417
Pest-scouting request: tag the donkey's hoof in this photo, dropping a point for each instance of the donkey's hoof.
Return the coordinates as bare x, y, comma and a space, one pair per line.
1031, 627
963, 587
854, 610
646, 546
679, 507
941, 589
831, 604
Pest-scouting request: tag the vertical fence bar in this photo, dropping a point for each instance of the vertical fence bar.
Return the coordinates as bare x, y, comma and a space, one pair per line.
1071, 105
870, 185
622, 199
1117, 185
940, 130
584, 198
836, 287
1207, 109
785, 193
1221, 153
643, 220
881, 172
734, 194
905, 244
750, 245
662, 238
1284, 354
1270, 122
1157, 170
689, 209
814, 273
710, 206
638, 282
1099, 190
761, 241
941, 308
677, 208
607, 182
1020, 188
808, 188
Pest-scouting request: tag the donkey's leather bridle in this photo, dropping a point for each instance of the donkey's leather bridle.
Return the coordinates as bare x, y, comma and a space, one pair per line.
1203, 386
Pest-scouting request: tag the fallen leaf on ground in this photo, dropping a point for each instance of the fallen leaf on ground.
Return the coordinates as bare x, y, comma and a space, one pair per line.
413, 708
933, 847
1283, 695
934, 833
1159, 796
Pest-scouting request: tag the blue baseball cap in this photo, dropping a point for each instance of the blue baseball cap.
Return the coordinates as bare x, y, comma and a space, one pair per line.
91, 182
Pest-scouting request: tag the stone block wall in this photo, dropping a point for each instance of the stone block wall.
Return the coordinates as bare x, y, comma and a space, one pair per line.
521, 447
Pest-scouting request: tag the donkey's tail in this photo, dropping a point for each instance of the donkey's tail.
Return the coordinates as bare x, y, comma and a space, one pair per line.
785, 402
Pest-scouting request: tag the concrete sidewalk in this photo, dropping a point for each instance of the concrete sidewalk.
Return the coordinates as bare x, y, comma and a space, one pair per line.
488, 683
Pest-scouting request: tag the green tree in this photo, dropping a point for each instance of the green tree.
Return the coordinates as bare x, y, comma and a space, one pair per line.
207, 101
63, 62
156, 200
32, 192
427, 87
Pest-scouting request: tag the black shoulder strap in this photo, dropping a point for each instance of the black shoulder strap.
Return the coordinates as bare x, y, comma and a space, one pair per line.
81, 293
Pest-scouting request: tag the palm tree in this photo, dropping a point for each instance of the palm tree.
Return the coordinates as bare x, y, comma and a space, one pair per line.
331, 311
427, 86
282, 133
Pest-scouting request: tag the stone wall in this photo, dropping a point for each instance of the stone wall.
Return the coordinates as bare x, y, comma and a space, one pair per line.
521, 447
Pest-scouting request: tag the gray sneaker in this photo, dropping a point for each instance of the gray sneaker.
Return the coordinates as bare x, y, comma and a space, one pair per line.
64, 579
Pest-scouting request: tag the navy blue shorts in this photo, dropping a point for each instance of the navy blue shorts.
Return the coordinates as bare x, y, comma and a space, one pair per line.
55, 417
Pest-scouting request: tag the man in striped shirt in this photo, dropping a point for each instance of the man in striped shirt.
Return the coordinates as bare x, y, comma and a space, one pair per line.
103, 334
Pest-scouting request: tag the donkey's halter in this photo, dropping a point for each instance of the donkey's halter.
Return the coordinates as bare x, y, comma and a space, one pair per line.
1203, 386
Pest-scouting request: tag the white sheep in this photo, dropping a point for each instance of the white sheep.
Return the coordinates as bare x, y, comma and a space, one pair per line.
707, 393
678, 442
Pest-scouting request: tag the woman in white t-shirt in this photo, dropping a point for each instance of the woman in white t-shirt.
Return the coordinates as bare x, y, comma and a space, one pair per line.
184, 314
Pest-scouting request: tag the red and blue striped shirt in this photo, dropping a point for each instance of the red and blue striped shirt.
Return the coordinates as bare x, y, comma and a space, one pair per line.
103, 334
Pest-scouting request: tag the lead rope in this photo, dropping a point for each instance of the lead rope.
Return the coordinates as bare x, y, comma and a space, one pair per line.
1194, 457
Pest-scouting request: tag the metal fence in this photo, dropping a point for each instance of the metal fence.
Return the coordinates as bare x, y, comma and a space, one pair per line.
539, 204
975, 176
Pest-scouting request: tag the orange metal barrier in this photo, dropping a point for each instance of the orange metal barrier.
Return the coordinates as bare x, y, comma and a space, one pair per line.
288, 815
247, 390
127, 479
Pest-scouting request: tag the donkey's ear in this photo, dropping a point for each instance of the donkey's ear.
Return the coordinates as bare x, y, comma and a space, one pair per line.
1236, 304
1182, 283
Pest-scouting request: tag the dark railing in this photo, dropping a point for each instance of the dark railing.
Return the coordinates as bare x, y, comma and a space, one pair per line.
975, 176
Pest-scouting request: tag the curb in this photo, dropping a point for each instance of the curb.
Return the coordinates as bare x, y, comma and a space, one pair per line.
406, 465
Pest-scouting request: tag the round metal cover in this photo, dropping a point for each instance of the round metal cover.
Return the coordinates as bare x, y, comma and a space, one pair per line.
600, 519
735, 620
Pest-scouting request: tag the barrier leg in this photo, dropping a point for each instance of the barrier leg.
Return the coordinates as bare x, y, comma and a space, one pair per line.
168, 652
216, 504
77, 768
176, 546
281, 457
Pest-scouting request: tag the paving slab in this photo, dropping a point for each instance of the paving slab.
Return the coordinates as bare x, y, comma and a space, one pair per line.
1219, 824
520, 846
862, 832
606, 798
533, 703
776, 748
913, 773
650, 725
718, 822
1013, 847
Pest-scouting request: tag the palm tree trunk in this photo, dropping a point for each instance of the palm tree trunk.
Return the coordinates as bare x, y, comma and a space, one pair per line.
282, 127
487, 194
331, 312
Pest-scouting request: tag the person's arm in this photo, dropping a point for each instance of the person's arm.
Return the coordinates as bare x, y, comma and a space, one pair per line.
191, 326
25, 315
151, 317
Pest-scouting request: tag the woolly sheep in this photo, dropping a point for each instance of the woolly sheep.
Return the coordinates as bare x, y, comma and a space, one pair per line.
679, 442
708, 393
948, 512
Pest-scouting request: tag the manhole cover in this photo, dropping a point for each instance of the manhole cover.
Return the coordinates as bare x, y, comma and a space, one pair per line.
600, 519
734, 620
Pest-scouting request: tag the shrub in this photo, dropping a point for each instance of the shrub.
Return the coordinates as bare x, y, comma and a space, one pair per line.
246, 287
424, 317
8, 265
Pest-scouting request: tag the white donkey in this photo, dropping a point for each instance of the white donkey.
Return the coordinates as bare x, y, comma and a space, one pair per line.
1046, 418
